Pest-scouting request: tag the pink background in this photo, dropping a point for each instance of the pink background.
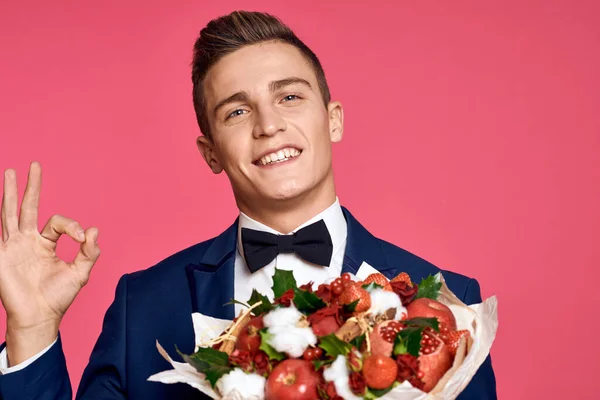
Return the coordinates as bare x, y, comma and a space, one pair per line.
472, 138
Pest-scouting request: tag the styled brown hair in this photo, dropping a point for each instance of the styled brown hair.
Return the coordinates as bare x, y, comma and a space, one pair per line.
228, 33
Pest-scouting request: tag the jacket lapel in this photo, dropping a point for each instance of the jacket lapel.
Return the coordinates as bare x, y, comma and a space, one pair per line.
362, 246
212, 279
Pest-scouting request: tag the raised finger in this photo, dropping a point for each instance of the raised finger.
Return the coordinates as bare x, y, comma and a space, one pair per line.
58, 225
31, 199
10, 222
88, 253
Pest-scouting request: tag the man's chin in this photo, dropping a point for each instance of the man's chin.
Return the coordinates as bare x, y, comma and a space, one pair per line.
283, 192
283, 195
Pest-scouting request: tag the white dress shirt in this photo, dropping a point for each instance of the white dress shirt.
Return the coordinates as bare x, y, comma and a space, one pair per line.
4, 368
262, 280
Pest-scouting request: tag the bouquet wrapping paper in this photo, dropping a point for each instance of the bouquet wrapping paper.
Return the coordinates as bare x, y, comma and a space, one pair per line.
480, 319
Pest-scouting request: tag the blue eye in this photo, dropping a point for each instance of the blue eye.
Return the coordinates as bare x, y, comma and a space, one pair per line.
235, 113
290, 97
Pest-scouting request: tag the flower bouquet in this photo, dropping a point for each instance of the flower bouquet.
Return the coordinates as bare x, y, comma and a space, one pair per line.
350, 339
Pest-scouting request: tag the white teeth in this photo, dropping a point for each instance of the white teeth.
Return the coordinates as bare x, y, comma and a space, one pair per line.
281, 155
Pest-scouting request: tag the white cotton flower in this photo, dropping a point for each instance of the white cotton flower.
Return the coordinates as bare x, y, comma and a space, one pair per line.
249, 386
337, 369
282, 316
339, 374
383, 300
286, 336
291, 339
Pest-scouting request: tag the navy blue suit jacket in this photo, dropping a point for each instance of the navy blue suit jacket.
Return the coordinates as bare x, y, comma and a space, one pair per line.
155, 304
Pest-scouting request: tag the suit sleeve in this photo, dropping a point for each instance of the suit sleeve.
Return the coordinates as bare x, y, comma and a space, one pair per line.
104, 377
44, 379
483, 384
47, 377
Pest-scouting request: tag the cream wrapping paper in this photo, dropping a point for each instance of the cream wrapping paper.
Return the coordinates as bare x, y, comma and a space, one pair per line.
480, 319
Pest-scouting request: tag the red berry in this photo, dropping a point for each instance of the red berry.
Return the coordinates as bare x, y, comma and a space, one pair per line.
318, 352
336, 287
309, 354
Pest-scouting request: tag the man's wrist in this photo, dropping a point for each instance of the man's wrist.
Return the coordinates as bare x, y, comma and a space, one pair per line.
21, 344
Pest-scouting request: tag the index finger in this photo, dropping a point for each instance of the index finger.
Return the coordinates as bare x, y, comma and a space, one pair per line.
28, 217
10, 202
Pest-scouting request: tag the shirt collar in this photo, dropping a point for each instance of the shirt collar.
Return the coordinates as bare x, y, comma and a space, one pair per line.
333, 217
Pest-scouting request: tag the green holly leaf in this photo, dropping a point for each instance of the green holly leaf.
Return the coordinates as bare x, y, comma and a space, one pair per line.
373, 394
370, 286
318, 364
234, 301
266, 305
350, 308
206, 356
358, 341
408, 340
283, 281
273, 354
429, 287
370, 395
215, 372
211, 362
333, 346
418, 322
307, 302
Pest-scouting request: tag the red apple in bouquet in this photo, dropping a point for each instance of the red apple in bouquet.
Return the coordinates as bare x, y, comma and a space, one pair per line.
429, 308
292, 379
249, 337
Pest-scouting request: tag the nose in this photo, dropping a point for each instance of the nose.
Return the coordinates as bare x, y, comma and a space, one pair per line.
268, 122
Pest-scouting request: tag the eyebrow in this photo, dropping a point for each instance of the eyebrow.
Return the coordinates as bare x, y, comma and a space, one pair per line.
280, 84
273, 87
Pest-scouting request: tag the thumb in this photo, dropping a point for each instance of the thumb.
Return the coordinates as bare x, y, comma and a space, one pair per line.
88, 253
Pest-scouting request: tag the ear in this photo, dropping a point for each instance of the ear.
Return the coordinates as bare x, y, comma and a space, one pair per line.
206, 147
336, 121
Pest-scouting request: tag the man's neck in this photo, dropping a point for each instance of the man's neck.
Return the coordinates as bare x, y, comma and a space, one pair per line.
286, 215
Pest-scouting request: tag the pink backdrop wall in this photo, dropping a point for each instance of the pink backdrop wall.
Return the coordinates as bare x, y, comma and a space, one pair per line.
472, 139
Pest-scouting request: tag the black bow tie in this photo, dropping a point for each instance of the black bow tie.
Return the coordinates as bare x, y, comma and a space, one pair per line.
312, 243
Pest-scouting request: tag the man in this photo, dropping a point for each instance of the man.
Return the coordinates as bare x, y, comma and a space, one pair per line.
263, 105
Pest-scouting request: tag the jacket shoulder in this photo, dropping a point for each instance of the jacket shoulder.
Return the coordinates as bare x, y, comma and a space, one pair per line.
170, 267
402, 259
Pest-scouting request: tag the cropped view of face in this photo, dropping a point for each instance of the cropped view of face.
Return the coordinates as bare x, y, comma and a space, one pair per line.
270, 130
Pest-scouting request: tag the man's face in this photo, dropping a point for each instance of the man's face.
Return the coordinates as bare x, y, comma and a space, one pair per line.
270, 129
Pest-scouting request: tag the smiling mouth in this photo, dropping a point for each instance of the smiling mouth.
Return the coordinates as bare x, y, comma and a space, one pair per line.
280, 156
